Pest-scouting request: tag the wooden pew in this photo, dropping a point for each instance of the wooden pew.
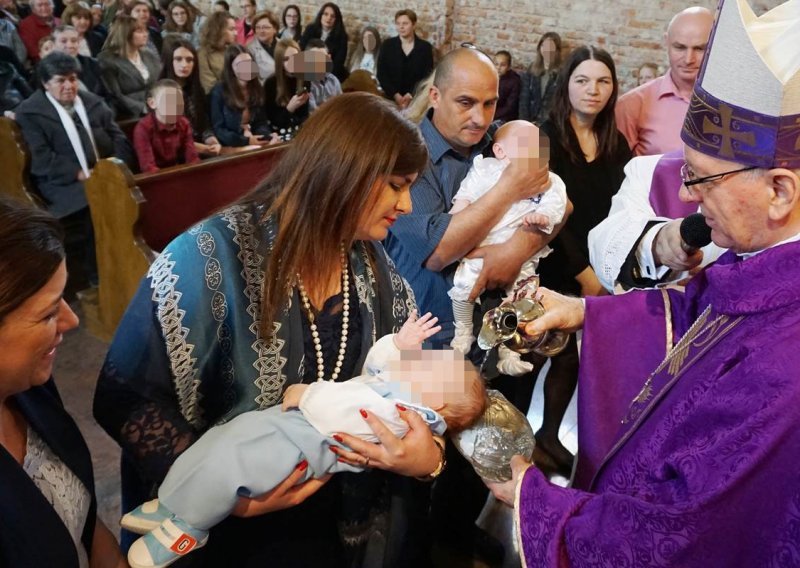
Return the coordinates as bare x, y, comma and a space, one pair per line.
15, 160
134, 217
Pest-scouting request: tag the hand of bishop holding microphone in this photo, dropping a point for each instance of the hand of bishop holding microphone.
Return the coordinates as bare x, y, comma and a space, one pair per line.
677, 245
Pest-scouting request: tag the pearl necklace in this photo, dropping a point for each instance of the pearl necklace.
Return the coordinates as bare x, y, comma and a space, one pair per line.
313, 326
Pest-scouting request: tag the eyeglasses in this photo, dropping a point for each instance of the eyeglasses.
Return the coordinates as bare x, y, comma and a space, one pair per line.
689, 178
474, 47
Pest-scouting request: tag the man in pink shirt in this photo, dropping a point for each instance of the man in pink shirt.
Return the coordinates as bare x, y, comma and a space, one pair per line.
651, 116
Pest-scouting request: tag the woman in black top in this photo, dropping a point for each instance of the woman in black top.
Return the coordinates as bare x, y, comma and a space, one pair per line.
286, 108
589, 154
329, 27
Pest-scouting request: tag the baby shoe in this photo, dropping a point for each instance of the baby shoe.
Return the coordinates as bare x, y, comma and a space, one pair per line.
145, 517
510, 362
172, 540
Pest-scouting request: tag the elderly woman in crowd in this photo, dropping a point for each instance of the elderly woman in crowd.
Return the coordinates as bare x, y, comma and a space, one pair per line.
47, 492
291, 300
218, 33
262, 46
67, 133
79, 16
129, 69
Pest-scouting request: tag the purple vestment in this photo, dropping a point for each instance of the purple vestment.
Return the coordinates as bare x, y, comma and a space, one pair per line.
665, 185
707, 473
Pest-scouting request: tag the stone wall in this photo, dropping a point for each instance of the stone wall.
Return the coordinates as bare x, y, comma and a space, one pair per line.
631, 30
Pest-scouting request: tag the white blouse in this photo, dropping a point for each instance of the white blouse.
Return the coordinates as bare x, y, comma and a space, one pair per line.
61, 487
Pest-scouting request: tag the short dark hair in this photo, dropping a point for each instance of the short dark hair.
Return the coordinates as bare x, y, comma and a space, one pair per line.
410, 14
504, 53
316, 43
223, 4
32, 242
57, 63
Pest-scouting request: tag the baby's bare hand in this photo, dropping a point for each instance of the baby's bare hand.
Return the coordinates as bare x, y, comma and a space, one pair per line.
416, 330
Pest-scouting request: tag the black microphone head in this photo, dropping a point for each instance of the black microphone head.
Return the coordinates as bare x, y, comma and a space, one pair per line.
694, 231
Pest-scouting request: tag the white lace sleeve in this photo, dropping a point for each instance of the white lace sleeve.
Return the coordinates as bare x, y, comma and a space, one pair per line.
62, 489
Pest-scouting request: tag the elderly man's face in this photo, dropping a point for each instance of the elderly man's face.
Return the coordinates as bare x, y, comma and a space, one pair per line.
63, 88
735, 207
464, 107
68, 41
42, 8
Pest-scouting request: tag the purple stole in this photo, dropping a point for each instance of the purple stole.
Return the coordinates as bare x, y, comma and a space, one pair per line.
665, 185
606, 382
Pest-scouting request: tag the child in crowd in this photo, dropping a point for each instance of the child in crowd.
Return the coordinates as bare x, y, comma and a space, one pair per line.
164, 137
327, 87
517, 141
254, 452
46, 46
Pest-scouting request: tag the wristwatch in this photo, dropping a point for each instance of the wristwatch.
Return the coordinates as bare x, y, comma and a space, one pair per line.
439, 468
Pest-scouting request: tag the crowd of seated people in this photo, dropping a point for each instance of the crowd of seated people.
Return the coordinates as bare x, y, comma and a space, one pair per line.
199, 86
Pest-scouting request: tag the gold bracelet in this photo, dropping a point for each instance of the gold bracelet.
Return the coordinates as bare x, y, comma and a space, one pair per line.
439, 468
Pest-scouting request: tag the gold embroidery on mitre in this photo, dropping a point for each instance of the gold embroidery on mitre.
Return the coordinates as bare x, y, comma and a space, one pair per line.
726, 131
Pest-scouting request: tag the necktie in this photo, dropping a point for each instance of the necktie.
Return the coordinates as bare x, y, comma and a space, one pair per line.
86, 140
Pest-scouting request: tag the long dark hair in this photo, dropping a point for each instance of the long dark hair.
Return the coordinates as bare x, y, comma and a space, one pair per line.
253, 94
315, 28
604, 127
32, 242
537, 67
328, 172
193, 94
298, 31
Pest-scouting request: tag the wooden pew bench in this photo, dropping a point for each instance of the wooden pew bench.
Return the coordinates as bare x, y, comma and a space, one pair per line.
15, 163
134, 217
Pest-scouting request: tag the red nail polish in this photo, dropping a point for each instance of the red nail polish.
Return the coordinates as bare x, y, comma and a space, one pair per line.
334, 449
302, 465
338, 438
341, 460
401, 408
363, 413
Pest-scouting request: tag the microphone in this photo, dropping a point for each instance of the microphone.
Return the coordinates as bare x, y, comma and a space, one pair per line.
695, 234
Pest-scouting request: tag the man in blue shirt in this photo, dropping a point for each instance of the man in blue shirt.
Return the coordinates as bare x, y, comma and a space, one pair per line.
427, 244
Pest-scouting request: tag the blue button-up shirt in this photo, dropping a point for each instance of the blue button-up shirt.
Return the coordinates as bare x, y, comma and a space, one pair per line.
414, 237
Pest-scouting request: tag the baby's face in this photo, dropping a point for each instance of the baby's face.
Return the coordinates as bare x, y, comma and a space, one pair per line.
522, 143
432, 378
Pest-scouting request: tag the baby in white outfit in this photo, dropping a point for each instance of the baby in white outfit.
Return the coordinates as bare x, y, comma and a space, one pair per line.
515, 140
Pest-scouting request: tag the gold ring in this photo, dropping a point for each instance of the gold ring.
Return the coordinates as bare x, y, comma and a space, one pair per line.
366, 463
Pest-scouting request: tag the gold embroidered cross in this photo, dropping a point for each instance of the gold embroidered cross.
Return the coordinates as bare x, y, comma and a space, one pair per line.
726, 132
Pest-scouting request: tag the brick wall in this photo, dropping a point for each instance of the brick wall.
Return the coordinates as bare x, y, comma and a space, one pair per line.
631, 30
